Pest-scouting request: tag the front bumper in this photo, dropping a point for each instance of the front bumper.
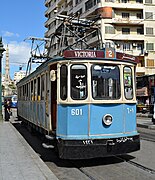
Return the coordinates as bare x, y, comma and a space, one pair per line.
93, 148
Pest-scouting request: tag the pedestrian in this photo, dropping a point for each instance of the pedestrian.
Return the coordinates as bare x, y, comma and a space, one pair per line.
6, 111
9, 106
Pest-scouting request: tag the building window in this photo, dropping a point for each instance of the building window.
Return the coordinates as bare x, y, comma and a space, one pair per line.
149, 31
148, 15
125, 1
140, 31
139, 1
150, 63
125, 15
89, 4
139, 16
125, 30
126, 46
109, 0
139, 46
109, 30
149, 46
148, 1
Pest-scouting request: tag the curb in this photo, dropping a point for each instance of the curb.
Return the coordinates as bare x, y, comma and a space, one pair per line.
144, 115
146, 126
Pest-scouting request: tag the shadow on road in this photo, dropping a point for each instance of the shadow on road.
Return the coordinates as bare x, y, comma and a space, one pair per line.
35, 140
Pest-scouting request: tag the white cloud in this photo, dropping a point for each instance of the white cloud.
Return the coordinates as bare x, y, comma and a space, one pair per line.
10, 34
19, 55
19, 52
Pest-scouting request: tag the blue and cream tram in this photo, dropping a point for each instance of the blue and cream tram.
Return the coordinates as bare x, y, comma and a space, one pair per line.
85, 100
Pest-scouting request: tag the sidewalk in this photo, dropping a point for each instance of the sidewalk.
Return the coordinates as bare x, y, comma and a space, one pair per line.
145, 121
18, 161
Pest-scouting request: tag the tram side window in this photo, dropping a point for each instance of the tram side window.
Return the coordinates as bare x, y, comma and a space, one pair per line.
35, 89
63, 82
43, 87
38, 88
32, 98
128, 85
105, 82
78, 82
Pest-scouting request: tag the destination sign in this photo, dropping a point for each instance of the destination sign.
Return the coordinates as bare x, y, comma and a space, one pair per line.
124, 56
83, 54
108, 53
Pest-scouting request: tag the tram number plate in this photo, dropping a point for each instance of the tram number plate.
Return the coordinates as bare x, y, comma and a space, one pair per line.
76, 112
87, 142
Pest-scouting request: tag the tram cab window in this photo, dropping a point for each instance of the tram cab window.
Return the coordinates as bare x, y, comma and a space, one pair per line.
128, 85
105, 81
78, 82
63, 82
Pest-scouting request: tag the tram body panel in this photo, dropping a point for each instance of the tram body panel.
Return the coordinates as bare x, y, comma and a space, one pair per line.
97, 126
86, 121
130, 118
72, 121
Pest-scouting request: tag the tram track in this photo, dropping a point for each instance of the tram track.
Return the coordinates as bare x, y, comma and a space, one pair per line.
91, 171
110, 168
152, 171
147, 134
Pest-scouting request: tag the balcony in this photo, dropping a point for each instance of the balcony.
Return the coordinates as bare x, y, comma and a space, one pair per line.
125, 37
130, 21
121, 5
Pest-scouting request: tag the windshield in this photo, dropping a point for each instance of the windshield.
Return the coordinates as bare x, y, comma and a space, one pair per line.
105, 81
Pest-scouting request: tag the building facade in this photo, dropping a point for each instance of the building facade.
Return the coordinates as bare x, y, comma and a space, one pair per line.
130, 24
18, 75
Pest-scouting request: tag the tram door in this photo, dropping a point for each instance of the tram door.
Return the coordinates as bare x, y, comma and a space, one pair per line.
53, 96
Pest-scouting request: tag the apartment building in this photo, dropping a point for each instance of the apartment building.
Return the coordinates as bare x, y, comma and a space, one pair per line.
130, 24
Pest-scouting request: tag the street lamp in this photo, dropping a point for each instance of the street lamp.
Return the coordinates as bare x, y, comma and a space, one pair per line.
1, 55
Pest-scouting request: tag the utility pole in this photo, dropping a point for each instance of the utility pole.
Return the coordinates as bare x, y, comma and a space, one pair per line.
1, 55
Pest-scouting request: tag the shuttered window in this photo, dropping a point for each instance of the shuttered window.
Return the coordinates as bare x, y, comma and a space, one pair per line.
149, 46
109, 30
149, 30
150, 62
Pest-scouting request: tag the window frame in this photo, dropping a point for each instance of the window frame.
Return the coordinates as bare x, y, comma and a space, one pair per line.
126, 87
86, 81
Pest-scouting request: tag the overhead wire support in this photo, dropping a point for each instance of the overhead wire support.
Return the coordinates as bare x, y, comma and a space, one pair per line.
38, 52
76, 30
73, 33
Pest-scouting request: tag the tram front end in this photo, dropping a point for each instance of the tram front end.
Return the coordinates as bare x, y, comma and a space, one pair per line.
96, 109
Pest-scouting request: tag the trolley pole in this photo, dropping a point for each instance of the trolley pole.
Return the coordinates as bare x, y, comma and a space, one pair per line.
1, 55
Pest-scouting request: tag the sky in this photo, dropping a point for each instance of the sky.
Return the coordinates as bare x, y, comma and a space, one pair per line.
20, 19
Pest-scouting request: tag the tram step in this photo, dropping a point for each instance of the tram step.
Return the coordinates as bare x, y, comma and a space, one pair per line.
47, 146
50, 137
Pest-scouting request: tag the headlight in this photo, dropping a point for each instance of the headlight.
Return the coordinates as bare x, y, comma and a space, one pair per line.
107, 119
